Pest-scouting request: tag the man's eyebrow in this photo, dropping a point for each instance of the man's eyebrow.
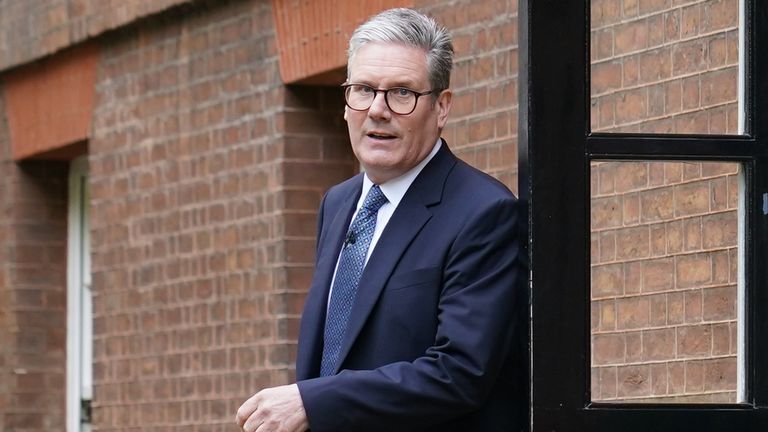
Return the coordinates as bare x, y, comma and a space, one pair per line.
410, 84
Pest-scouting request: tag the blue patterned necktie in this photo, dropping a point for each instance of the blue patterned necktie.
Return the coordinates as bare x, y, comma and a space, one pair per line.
351, 265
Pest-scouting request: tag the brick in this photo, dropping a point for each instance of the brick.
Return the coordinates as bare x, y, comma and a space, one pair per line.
718, 51
630, 8
692, 199
719, 303
603, 46
694, 341
657, 205
629, 37
608, 382
694, 376
631, 106
658, 240
608, 349
693, 306
633, 243
607, 246
606, 77
659, 379
672, 25
607, 313
658, 275
676, 376
607, 280
689, 57
693, 270
692, 228
655, 65
720, 374
633, 277
659, 345
634, 381
719, 87
720, 230
604, 12
650, 6
631, 70
656, 30
719, 14
673, 97
691, 92
721, 267
721, 339
632, 312
690, 21
605, 213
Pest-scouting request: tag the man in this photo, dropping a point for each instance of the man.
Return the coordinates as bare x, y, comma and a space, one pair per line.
410, 322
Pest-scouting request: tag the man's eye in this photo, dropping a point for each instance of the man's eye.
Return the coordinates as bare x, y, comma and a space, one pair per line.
401, 92
364, 90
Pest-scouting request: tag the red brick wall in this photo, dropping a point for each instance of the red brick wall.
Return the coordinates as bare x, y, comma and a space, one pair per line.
664, 235
665, 66
664, 281
32, 295
31, 29
206, 173
482, 127
206, 176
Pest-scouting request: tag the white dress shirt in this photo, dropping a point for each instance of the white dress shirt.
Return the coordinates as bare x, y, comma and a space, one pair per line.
394, 190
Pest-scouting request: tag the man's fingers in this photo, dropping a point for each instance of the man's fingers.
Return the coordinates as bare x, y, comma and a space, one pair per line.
246, 409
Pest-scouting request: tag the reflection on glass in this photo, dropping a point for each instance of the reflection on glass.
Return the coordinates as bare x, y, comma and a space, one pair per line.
666, 67
666, 293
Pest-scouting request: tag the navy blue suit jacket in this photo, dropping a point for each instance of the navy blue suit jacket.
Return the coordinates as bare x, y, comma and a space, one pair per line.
432, 339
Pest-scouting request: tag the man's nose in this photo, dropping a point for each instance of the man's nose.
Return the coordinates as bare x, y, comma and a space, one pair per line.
379, 106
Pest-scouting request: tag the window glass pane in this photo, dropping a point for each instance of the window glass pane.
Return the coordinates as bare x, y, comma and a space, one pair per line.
666, 284
666, 66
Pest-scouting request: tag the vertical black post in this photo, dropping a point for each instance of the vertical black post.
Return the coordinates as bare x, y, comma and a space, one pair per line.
554, 101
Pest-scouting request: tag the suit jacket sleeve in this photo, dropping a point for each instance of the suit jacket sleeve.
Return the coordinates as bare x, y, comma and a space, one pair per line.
457, 373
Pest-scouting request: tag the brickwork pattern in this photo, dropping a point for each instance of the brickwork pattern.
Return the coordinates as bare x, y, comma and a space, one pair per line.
31, 29
482, 127
664, 281
664, 252
206, 177
32, 295
665, 66
206, 173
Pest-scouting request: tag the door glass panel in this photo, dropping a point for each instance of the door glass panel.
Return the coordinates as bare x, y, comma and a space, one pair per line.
666, 282
667, 66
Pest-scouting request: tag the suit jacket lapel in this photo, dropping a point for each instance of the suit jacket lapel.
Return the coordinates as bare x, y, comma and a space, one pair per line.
313, 319
409, 217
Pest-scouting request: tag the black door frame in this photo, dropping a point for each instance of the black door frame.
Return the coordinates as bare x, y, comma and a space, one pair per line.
555, 150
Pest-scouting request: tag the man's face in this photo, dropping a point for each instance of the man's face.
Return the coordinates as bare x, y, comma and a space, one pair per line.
388, 144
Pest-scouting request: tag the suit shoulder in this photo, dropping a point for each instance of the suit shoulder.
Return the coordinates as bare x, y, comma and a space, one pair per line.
467, 180
341, 191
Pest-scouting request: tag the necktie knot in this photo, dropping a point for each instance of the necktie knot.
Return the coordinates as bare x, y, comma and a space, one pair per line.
375, 199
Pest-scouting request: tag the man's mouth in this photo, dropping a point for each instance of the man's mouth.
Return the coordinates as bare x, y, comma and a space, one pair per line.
380, 136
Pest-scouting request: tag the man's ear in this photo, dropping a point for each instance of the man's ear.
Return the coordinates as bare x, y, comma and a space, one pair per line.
443, 105
345, 112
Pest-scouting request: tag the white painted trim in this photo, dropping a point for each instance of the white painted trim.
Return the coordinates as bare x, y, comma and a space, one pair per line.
742, 106
741, 303
77, 248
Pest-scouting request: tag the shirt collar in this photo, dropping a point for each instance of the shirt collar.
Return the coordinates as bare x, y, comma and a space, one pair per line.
396, 188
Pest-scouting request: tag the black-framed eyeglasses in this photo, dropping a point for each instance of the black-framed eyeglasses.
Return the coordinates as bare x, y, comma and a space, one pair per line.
400, 100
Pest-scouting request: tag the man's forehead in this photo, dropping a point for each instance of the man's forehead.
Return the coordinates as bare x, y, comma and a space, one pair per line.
392, 60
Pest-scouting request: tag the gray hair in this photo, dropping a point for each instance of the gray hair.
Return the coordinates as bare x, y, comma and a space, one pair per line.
411, 28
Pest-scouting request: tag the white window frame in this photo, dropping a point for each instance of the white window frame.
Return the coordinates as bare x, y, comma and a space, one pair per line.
79, 300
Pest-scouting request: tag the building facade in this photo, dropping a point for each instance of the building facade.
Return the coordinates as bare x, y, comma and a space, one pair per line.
162, 163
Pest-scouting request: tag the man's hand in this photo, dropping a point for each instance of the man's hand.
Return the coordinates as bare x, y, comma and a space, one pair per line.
276, 409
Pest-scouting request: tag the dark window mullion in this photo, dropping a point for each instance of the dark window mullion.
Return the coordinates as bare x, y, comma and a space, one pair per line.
721, 148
